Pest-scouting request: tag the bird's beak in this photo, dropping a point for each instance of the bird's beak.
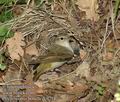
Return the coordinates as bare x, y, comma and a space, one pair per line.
77, 51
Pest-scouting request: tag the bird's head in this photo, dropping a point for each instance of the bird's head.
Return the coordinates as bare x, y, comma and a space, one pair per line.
69, 42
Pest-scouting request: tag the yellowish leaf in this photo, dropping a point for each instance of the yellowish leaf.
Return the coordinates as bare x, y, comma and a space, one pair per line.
14, 46
90, 7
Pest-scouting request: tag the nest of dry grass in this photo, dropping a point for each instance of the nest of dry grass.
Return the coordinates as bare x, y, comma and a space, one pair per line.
101, 64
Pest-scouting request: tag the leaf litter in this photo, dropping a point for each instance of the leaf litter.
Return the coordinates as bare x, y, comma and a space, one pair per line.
14, 46
74, 82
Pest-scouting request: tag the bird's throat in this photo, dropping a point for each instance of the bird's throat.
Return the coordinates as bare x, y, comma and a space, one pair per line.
65, 44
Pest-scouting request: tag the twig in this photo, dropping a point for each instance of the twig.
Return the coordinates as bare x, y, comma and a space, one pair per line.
6, 83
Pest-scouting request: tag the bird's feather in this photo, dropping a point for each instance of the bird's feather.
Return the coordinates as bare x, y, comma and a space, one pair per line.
54, 53
56, 56
44, 67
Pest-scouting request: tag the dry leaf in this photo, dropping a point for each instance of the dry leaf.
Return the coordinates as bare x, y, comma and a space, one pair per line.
14, 46
82, 54
78, 88
39, 87
90, 7
83, 70
75, 88
32, 90
56, 8
63, 98
108, 56
12, 74
110, 44
32, 50
13, 81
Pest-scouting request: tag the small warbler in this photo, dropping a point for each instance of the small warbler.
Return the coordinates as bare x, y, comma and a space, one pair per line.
62, 50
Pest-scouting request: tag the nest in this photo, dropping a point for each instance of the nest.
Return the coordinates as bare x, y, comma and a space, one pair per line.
39, 26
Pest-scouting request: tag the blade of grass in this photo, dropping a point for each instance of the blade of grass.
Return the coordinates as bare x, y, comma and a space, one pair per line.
117, 3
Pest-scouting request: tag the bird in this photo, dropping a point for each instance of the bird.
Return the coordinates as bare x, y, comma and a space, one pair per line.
62, 50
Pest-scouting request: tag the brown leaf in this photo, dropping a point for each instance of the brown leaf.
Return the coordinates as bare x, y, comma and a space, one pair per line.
14, 46
12, 74
11, 81
32, 50
56, 8
31, 93
82, 54
39, 87
90, 7
83, 70
75, 88
108, 56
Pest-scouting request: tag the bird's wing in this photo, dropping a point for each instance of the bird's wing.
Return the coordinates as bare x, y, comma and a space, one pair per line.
46, 64
42, 68
55, 53
51, 58
56, 58
59, 50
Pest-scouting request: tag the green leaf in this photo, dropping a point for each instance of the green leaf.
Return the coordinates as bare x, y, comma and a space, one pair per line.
2, 66
39, 2
5, 33
117, 4
6, 1
6, 15
100, 89
1, 58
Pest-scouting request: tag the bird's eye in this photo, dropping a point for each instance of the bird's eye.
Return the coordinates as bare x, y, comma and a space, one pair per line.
61, 38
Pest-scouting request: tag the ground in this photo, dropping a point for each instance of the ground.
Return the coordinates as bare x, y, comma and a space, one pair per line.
94, 75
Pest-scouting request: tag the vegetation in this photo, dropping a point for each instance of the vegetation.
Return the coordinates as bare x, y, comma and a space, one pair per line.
26, 29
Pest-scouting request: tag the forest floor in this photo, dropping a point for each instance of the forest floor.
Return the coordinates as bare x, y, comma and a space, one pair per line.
95, 78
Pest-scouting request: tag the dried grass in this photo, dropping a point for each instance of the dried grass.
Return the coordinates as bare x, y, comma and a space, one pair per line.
38, 26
